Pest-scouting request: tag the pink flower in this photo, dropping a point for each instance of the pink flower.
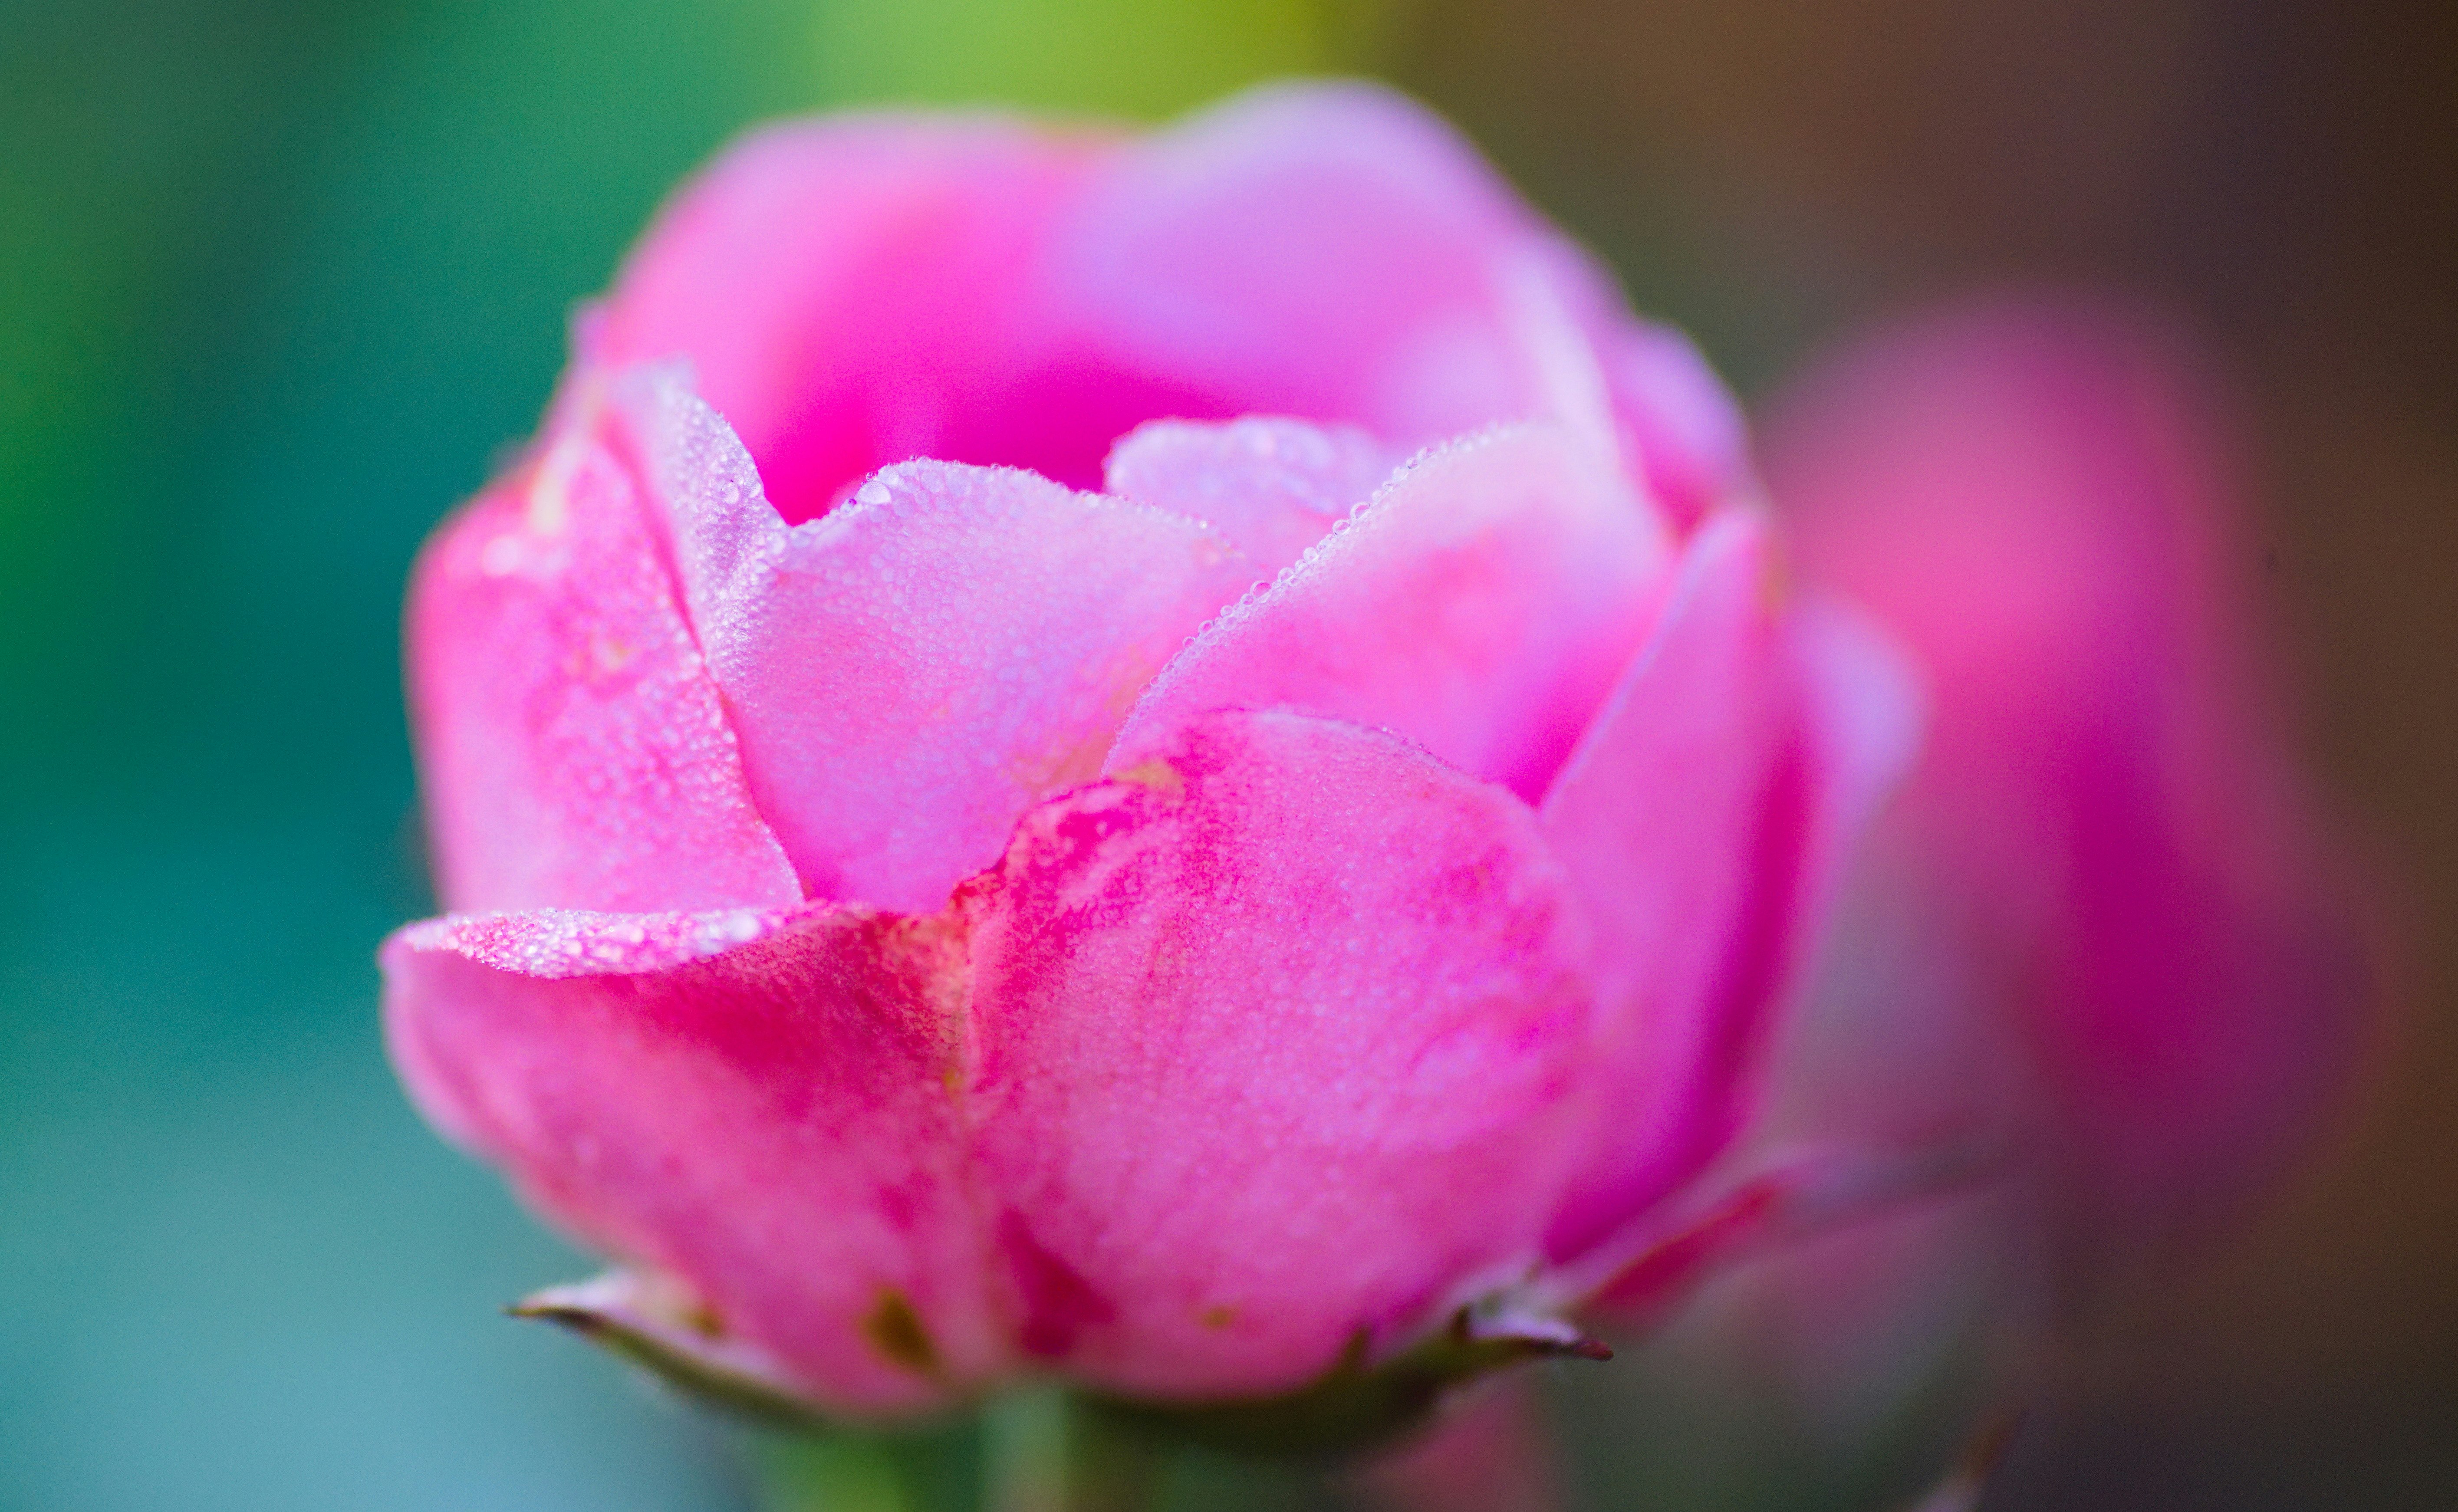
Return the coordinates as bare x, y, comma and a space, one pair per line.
2104, 854
934, 923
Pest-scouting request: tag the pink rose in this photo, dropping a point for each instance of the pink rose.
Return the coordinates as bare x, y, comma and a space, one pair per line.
932, 922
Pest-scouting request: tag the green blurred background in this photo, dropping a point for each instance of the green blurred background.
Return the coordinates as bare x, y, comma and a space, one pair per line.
277, 280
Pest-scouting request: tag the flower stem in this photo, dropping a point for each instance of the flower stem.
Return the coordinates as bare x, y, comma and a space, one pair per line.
1044, 1452
841, 1473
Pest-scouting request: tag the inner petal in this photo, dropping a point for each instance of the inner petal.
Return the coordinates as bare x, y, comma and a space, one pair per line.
910, 674
1275, 486
1481, 606
856, 293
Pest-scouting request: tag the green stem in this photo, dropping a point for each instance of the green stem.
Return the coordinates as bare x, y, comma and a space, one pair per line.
1044, 1452
839, 1473
1037, 1451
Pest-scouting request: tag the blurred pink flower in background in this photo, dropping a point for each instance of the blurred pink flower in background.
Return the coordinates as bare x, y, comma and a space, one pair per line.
2105, 856
931, 925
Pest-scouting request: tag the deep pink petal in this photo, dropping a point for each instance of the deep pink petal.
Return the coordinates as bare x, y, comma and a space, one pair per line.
860, 290
911, 672
1481, 606
1274, 486
1703, 816
754, 1104
572, 746
1278, 1032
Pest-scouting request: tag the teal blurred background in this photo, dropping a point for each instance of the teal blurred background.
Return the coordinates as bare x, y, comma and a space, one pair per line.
277, 280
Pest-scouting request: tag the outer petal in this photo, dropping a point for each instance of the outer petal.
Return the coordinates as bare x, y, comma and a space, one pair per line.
756, 1104
2032, 496
913, 672
1279, 1034
1481, 606
1275, 486
1701, 817
572, 748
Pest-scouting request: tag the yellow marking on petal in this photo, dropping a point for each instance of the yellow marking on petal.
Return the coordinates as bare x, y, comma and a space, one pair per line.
550, 503
1212, 547
1076, 757
1775, 578
608, 655
1070, 765
1158, 776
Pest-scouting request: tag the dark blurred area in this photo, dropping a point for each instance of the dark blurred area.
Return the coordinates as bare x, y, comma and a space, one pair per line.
277, 280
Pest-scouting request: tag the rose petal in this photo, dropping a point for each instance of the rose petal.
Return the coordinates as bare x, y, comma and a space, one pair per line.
755, 1102
1274, 486
1278, 1035
1674, 417
1333, 251
1802, 1195
572, 748
869, 290
1481, 606
911, 672
861, 291
1690, 816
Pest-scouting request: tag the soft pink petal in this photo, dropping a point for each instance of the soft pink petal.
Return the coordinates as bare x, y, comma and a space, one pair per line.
1481, 606
572, 749
1675, 416
867, 290
862, 290
1278, 1032
756, 1104
1701, 816
911, 672
1333, 251
1275, 486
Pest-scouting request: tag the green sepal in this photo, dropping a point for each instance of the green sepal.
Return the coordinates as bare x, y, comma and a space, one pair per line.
623, 1315
1357, 1406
